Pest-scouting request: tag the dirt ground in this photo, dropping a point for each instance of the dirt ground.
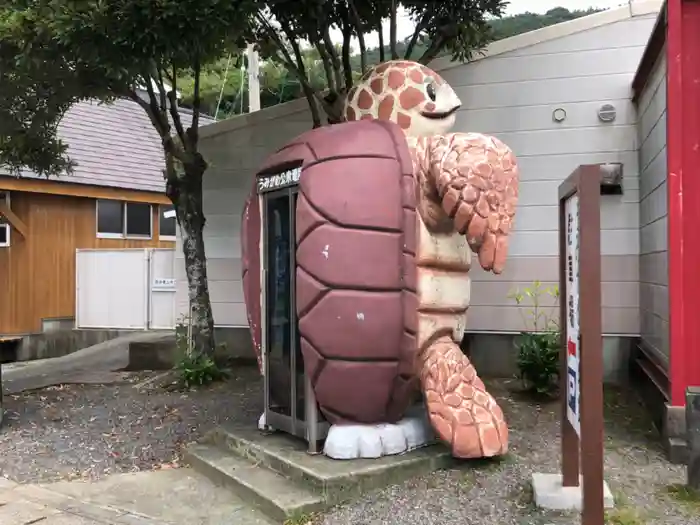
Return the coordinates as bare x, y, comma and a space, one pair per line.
90, 431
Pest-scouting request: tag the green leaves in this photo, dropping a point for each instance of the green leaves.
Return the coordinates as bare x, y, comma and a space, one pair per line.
55, 53
539, 346
538, 361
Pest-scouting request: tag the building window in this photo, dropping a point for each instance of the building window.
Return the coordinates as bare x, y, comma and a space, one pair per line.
167, 222
121, 220
4, 225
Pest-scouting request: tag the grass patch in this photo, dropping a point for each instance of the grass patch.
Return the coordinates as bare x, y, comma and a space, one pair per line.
685, 495
300, 519
624, 513
624, 516
524, 496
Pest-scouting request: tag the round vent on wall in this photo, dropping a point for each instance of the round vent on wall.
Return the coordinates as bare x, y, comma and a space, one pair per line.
607, 113
559, 115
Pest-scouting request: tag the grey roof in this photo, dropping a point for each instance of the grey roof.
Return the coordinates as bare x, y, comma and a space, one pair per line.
115, 145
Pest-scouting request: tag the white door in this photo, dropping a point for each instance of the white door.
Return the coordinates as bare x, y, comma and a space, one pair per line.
112, 288
162, 289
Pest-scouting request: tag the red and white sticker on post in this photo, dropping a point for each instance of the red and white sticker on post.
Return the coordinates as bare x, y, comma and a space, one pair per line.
573, 346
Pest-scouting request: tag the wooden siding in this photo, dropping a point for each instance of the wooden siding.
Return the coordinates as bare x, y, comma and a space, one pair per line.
37, 274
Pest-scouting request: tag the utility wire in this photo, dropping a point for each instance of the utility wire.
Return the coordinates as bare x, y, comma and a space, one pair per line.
223, 85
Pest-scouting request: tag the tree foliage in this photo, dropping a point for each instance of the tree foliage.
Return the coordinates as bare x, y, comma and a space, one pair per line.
56, 53
500, 28
459, 27
286, 30
278, 85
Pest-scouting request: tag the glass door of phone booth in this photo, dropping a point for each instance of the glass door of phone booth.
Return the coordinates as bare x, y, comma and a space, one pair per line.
290, 404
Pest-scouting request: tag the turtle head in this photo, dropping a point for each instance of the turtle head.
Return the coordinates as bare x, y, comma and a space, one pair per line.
413, 96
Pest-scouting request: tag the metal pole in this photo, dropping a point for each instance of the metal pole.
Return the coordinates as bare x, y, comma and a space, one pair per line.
291, 260
253, 79
311, 411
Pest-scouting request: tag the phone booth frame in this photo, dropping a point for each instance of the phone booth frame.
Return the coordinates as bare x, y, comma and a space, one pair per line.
283, 184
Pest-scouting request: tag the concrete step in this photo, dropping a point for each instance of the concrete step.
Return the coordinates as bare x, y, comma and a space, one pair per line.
277, 497
335, 481
677, 451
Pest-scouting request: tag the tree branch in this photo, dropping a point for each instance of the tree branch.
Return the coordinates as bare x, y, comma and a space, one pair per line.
420, 27
432, 51
309, 92
347, 65
296, 68
193, 131
335, 61
175, 116
166, 139
330, 51
360, 35
161, 124
392, 31
161, 87
380, 34
327, 66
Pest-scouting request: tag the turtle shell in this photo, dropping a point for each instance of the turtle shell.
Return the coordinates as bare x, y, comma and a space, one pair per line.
355, 275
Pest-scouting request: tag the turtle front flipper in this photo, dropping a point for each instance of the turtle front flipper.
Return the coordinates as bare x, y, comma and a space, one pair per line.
473, 178
468, 191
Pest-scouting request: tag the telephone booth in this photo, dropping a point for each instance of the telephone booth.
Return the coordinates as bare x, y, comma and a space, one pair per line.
290, 404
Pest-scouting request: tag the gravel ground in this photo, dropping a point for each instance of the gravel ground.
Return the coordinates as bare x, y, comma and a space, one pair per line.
89, 431
497, 492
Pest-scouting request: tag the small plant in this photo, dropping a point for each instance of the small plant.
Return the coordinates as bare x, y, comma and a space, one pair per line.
193, 368
539, 345
685, 495
624, 516
299, 519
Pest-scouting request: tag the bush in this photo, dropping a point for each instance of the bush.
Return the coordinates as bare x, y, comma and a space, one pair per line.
193, 368
539, 345
198, 370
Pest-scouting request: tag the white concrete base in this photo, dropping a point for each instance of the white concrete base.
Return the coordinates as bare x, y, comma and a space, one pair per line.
550, 494
375, 441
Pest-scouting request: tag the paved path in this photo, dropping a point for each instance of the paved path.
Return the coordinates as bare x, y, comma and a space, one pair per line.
165, 497
95, 364
162, 497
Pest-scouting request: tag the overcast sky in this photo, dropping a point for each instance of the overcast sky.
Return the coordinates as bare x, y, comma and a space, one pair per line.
405, 27
541, 6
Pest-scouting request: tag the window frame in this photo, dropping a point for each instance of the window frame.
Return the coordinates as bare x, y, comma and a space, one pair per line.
138, 237
161, 210
6, 225
125, 211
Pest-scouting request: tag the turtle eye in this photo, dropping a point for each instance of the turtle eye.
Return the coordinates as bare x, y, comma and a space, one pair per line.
430, 90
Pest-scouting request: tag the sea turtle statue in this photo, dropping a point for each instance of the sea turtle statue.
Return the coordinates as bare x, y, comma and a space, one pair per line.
390, 208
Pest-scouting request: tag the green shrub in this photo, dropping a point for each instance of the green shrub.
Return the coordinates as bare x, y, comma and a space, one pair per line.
198, 370
192, 367
539, 345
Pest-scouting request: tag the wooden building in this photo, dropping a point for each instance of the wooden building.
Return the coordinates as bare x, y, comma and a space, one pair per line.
114, 199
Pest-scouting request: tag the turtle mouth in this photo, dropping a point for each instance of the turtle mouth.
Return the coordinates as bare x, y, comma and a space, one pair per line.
439, 115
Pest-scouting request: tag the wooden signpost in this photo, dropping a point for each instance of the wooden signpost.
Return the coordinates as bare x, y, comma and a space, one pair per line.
582, 352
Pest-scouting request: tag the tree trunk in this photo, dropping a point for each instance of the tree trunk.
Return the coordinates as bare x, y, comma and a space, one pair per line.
334, 107
190, 215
